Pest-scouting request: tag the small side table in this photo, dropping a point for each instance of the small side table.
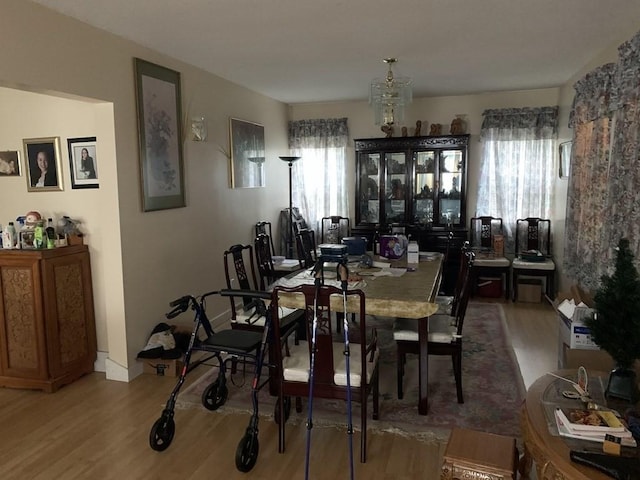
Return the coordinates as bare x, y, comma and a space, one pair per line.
473, 454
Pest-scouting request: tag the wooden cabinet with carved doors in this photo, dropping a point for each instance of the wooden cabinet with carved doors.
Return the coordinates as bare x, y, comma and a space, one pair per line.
47, 325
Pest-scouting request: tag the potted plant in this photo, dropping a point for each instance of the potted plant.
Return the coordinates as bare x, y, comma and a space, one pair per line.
615, 326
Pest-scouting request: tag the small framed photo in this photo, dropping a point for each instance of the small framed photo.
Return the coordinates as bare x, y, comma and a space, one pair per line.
9, 164
43, 164
83, 162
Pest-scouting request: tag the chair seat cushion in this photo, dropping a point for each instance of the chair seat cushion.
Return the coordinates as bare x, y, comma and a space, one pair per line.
295, 367
547, 265
498, 262
441, 329
250, 318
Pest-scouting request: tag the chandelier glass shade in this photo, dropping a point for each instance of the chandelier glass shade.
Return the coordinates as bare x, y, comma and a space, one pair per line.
389, 96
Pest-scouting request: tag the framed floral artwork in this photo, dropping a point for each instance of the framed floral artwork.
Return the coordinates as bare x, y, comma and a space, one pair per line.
158, 101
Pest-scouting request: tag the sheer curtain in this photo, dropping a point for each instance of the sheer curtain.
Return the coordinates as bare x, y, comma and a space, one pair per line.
516, 166
604, 187
319, 177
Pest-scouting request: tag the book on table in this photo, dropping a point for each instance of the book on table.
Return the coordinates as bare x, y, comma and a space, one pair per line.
626, 439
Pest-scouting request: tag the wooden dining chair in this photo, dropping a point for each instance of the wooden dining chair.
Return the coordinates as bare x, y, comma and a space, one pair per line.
533, 253
267, 271
329, 375
447, 304
334, 229
444, 338
483, 234
306, 248
264, 228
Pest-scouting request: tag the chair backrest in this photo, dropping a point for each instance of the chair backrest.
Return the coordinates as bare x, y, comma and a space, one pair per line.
465, 292
318, 306
240, 272
482, 230
334, 229
306, 246
264, 260
463, 271
265, 228
533, 233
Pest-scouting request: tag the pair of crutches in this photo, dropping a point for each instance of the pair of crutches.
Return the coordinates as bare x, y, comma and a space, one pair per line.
343, 275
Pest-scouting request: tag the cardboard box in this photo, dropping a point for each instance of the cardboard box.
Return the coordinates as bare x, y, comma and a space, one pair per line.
530, 290
572, 307
592, 360
161, 367
490, 287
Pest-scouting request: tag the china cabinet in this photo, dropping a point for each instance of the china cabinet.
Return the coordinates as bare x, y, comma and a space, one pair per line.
414, 184
47, 326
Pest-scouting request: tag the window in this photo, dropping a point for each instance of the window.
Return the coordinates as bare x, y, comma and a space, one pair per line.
517, 164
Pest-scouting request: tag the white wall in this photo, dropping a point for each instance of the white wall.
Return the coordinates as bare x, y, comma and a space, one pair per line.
142, 260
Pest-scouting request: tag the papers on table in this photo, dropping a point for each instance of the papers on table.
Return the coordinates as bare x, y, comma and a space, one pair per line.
288, 264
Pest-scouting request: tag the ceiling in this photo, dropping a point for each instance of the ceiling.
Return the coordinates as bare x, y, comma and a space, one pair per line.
300, 51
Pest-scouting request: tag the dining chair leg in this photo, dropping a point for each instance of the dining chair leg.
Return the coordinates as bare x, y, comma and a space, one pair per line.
400, 373
281, 424
363, 425
457, 373
376, 395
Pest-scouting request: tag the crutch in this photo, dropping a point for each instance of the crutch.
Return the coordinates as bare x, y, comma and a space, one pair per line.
317, 270
343, 274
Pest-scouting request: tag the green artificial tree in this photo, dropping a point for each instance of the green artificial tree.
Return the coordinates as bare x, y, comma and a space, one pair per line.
615, 327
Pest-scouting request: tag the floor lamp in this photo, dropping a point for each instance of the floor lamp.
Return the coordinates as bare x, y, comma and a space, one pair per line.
289, 252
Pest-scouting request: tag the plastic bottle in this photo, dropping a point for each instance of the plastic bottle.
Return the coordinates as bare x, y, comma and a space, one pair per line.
51, 234
39, 237
9, 237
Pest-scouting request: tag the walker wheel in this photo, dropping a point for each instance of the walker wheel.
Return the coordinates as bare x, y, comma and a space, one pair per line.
287, 411
247, 452
162, 433
215, 395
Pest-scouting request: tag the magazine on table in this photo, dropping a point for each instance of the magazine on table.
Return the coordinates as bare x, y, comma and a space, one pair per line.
626, 439
584, 420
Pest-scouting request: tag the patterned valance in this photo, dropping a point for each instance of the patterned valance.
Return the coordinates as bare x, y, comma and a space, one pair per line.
536, 122
326, 132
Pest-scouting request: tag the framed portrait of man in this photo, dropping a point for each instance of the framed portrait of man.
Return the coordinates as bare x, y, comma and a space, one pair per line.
43, 164
83, 162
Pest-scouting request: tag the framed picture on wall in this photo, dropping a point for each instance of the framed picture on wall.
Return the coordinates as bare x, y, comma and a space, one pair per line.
564, 159
10, 163
43, 164
83, 162
247, 154
159, 108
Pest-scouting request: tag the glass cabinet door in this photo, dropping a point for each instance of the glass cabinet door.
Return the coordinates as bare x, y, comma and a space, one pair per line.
450, 197
395, 187
423, 187
369, 188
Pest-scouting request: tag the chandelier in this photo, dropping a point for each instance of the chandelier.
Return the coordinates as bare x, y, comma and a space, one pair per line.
389, 96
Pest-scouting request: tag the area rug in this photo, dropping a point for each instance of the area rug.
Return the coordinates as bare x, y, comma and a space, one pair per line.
492, 385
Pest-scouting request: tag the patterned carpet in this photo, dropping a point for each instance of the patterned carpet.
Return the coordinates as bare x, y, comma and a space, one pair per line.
492, 385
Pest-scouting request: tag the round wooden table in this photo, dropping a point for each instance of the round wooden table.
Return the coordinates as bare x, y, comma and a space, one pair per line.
551, 453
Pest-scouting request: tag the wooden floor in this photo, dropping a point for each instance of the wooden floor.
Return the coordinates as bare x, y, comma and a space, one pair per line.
98, 429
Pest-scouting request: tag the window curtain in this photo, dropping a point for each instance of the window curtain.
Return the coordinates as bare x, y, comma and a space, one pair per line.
603, 201
516, 166
319, 177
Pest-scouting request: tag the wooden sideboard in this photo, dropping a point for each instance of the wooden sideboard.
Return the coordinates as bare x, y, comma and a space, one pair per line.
47, 324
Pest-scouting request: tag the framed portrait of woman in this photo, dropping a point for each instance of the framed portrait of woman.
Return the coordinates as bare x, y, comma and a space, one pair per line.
43, 164
83, 162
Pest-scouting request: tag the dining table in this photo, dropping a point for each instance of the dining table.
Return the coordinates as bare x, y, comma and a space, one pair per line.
391, 290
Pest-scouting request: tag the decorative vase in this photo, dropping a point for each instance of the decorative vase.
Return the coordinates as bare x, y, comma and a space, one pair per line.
622, 384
